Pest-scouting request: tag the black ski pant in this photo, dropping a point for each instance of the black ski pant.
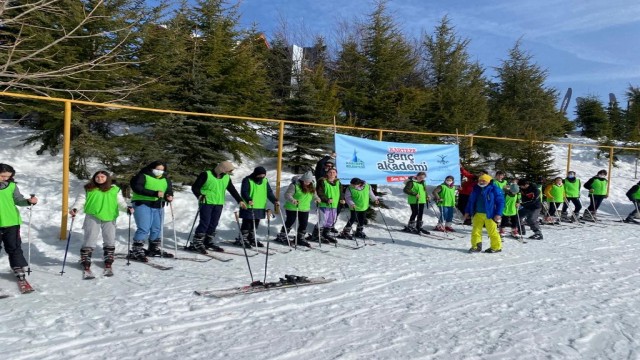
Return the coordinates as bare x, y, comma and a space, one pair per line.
357, 217
531, 217
594, 202
303, 221
636, 206
10, 236
511, 221
417, 211
248, 226
209, 218
576, 205
553, 208
462, 203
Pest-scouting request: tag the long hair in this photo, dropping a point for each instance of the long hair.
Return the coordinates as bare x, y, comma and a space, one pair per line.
94, 185
9, 169
310, 189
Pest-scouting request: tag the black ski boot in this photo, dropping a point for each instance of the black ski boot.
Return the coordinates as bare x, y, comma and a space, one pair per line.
243, 240
326, 236
282, 238
302, 241
315, 235
536, 236
109, 254
85, 257
138, 253
210, 245
155, 250
197, 244
420, 229
345, 233
411, 228
476, 249
360, 233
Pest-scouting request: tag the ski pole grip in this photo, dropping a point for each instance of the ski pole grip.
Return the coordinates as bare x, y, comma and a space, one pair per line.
235, 213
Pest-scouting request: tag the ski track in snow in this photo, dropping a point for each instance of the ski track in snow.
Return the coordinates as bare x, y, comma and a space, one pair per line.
574, 295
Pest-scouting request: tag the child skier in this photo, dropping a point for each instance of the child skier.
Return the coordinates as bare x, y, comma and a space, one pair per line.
597, 187
101, 201
555, 196
445, 197
572, 193
10, 219
358, 196
298, 198
210, 187
634, 196
485, 207
416, 188
329, 189
530, 210
255, 191
512, 200
151, 189
501, 181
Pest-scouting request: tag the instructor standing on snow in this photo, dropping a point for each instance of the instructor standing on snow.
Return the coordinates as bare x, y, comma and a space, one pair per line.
485, 206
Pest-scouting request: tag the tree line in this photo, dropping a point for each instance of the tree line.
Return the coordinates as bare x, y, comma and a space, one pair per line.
196, 57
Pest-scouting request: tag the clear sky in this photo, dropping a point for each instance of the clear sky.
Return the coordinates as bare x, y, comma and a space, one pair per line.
591, 46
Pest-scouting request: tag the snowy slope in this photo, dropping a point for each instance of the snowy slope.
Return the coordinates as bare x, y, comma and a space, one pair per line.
574, 295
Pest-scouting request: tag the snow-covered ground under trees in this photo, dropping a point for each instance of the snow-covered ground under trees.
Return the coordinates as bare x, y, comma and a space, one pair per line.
574, 295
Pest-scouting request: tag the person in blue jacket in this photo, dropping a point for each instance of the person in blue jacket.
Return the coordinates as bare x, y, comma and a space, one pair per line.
485, 206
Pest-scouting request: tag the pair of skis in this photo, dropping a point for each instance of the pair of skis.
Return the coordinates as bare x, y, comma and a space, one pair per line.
289, 281
23, 286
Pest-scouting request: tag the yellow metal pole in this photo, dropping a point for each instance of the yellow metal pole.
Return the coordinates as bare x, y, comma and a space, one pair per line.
279, 174
471, 143
610, 166
66, 150
380, 135
568, 159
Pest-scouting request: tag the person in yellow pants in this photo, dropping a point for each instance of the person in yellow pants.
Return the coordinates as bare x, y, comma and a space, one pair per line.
485, 207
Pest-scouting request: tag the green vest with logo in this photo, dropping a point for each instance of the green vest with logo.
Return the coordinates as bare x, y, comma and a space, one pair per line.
510, 202
331, 192
304, 200
501, 184
447, 196
153, 184
9, 214
599, 186
103, 205
360, 197
214, 188
258, 194
421, 198
572, 189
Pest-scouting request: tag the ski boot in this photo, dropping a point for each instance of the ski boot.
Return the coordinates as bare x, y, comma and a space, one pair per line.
492, 251
243, 240
360, 233
420, 230
345, 234
411, 228
502, 231
514, 233
85, 257
155, 250
326, 236
536, 236
210, 245
448, 227
197, 244
138, 253
282, 238
440, 227
476, 249
302, 241
109, 255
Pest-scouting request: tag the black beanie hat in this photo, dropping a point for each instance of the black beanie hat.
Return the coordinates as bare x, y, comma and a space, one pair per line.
259, 171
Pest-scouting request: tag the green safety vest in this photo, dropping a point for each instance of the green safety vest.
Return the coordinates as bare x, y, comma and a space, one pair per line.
510, 202
501, 184
331, 192
102, 204
421, 198
258, 194
599, 187
9, 214
214, 189
447, 196
636, 195
304, 200
572, 189
557, 194
153, 184
360, 197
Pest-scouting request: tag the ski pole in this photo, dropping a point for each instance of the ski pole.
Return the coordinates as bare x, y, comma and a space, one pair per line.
173, 225
593, 202
439, 215
520, 226
29, 236
194, 223
385, 224
614, 208
243, 247
284, 225
129, 240
296, 228
162, 205
635, 203
266, 259
318, 225
255, 233
66, 250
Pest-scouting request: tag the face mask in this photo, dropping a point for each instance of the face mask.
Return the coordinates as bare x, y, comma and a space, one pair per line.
482, 185
448, 182
602, 176
571, 177
157, 172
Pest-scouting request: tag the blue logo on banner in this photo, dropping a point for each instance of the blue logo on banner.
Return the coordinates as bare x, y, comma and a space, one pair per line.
355, 162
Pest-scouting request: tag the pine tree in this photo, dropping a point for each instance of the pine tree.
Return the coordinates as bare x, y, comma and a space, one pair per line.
532, 159
592, 117
458, 85
616, 119
633, 114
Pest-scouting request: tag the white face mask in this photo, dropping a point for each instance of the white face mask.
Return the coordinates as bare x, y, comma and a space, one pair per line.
482, 185
602, 176
157, 172
448, 182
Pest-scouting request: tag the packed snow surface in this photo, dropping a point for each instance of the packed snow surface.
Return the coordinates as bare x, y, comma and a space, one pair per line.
573, 295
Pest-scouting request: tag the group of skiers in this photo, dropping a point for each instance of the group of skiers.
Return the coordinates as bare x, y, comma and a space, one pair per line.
484, 201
